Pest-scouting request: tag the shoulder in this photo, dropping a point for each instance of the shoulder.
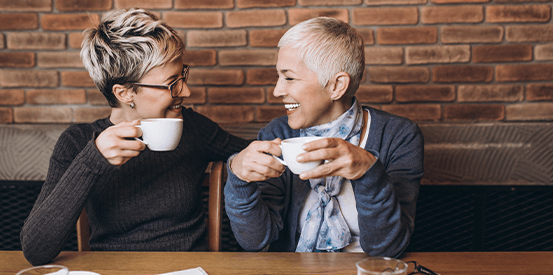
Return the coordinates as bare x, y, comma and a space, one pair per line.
277, 128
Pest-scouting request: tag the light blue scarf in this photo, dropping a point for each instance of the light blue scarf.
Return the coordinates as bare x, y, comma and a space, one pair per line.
325, 228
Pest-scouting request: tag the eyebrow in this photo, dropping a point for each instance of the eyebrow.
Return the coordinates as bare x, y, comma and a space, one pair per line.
173, 77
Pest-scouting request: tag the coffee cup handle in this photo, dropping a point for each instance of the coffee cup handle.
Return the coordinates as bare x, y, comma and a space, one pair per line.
138, 126
280, 160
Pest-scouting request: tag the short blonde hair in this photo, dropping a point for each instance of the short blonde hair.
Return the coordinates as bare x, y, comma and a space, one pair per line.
125, 46
328, 46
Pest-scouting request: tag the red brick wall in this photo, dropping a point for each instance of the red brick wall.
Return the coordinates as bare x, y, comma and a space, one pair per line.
429, 60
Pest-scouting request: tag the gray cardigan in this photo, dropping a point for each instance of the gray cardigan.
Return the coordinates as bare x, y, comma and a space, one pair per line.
266, 213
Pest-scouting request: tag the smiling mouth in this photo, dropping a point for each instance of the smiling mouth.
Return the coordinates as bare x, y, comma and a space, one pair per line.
174, 107
291, 107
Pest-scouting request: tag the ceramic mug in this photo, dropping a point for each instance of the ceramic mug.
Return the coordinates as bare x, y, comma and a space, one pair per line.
291, 148
161, 134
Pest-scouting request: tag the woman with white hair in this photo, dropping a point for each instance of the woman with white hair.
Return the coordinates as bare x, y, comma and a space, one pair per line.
136, 199
363, 198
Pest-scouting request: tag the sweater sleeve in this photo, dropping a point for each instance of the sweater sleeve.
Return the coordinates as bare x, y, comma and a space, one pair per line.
386, 195
72, 173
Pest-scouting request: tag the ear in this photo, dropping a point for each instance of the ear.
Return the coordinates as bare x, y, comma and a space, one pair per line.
339, 86
123, 94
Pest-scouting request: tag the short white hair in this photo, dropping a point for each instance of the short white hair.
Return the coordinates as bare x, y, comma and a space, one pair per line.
125, 46
328, 46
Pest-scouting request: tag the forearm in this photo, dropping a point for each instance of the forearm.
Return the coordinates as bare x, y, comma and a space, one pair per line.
57, 208
253, 224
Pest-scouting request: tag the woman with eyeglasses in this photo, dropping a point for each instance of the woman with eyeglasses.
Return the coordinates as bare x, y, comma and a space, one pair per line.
136, 199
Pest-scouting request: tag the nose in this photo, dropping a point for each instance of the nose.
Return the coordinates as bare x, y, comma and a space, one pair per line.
279, 89
185, 92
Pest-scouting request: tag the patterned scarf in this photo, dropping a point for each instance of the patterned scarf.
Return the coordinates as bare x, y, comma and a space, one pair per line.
325, 228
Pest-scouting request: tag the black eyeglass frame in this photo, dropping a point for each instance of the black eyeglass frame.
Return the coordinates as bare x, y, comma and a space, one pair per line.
170, 86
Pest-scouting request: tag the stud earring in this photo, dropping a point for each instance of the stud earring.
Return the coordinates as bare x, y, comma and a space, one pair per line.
132, 105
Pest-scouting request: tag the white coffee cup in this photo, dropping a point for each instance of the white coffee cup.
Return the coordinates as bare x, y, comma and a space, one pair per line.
161, 134
291, 148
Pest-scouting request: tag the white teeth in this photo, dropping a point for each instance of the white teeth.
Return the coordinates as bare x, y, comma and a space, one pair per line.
175, 107
291, 107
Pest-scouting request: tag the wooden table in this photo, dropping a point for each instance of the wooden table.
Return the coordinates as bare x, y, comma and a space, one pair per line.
121, 263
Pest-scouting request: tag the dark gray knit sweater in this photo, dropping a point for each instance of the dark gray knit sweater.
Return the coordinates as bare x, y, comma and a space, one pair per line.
151, 203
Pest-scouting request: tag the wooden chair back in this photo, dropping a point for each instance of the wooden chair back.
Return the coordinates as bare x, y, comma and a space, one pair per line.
214, 180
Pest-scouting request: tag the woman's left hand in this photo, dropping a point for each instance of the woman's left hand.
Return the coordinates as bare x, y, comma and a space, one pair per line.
343, 159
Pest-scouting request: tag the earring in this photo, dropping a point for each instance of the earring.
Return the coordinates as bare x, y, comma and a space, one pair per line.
132, 105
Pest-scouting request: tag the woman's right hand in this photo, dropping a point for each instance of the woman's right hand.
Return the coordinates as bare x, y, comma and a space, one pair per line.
256, 163
114, 146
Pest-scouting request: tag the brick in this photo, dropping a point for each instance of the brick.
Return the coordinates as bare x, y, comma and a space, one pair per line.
204, 4
216, 77
268, 113
296, 16
383, 55
18, 21
437, 54
36, 41
452, 14
368, 35
60, 22
227, 38
529, 33
197, 96
12, 96
490, 93
43, 115
145, 4
200, 58
28, 78
95, 97
83, 5
416, 112
29, 5
471, 34
459, 1
385, 16
375, 93
474, 112
255, 18
228, 114
88, 115
194, 20
236, 95
544, 52
524, 72
6, 115
422, 93
462, 73
262, 76
394, 2
248, 57
530, 111
415, 35
1, 41
330, 2
520, 1
398, 74
246, 4
17, 59
501, 53
265, 38
75, 40
539, 92
56, 96
518, 13
59, 60
76, 79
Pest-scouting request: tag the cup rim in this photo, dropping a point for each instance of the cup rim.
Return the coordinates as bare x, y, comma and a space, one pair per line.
399, 262
304, 140
161, 119
61, 267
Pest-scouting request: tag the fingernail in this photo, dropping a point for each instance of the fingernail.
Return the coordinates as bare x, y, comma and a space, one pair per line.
299, 158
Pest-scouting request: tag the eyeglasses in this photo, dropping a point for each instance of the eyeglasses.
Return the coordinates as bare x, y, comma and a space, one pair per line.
421, 269
175, 87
